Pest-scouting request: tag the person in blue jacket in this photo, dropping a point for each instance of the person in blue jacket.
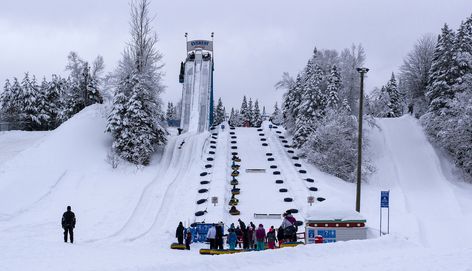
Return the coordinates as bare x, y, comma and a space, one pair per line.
232, 239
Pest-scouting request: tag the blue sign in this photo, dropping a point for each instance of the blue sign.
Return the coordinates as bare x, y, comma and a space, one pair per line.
199, 233
384, 199
327, 234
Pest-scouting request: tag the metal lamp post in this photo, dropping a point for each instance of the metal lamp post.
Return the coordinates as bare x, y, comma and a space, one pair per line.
362, 71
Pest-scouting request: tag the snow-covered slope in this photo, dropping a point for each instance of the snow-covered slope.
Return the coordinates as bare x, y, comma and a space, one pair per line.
127, 216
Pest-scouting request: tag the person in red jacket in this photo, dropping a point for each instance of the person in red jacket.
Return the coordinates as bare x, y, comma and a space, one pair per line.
260, 237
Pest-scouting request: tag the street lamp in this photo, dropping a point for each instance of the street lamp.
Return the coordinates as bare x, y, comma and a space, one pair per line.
362, 71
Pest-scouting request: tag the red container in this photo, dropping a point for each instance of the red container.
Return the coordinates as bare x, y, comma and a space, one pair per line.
318, 239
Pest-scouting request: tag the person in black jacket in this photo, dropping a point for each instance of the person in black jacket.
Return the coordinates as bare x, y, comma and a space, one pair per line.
68, 224
179, 233
219, 236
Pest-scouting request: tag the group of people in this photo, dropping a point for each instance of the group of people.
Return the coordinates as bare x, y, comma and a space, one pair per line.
245, 237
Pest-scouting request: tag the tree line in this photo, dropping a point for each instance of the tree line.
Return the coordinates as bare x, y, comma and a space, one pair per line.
33, 106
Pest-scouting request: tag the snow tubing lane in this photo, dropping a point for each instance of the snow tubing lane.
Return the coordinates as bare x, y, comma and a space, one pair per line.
276, 172
297, 165
310, 180
203, 174
314, 189
270, 159
288, 199
279, 181
320, 199
199, 213
204, 182
201, 201
201, 191
273, 166
302, 171
283, 190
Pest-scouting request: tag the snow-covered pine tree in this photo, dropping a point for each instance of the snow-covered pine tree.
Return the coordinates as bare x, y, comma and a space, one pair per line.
277, 117
462, 56
439, 90
170, 112
250, 113
334, 86
291, 101
54, 100
89, 87
244, 110
5, 101
31, 113
140, 72
231, 117
313, 104
256, 115
219, 113
394, 102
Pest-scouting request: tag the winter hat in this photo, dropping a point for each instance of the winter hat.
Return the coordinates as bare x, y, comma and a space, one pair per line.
260, 225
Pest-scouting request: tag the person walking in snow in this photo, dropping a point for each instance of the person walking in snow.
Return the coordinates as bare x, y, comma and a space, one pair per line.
188, 239
260, 237
232, 239
289, 228
68, 224
250, 237
239, 235
271, 238
179, 233
211, 236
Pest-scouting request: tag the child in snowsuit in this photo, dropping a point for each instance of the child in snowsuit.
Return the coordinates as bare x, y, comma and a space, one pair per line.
271, 239
232, 239
188, 239
280, 235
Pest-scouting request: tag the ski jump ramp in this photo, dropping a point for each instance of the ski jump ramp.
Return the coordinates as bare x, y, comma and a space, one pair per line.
196, 75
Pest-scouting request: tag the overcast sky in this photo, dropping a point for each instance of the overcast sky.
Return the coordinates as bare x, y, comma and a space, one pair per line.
255, 41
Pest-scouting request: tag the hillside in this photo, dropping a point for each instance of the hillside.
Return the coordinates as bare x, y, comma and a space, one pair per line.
127, 216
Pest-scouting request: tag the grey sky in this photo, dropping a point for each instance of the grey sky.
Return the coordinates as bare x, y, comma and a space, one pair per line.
255, 41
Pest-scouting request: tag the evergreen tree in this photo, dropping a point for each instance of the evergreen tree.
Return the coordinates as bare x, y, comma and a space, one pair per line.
5, 101
89, 87
256, 116
31, 114
276, 116
394, 103
250, 112
334, 86
439, 90
53, 98
142, 117
170, 111
244, 110
291, 101
231, 118
219, 113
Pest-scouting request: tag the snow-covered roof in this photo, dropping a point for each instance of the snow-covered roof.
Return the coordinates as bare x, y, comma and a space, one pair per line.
329, 212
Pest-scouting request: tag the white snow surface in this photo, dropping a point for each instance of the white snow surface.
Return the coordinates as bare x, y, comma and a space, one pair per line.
126, 217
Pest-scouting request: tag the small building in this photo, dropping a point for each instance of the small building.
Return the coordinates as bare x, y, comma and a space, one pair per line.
335, 226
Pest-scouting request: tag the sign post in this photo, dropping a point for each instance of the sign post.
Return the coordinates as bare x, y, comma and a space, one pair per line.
214, 200
385, 203
310, 200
